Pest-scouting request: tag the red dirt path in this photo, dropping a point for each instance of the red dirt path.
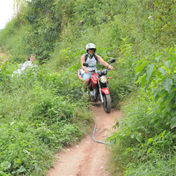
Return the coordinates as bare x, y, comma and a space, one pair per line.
88, 158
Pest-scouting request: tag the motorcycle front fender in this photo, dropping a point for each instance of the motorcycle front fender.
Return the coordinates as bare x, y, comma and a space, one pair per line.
105, 90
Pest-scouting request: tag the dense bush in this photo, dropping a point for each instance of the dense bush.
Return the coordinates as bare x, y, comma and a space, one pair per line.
38, 116
147, 134
143, 141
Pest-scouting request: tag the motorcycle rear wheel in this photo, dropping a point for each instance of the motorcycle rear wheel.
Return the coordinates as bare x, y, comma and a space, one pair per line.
107, 103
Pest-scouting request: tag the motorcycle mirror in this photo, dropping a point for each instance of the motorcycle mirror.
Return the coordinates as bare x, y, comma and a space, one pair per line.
113, 60
85, 64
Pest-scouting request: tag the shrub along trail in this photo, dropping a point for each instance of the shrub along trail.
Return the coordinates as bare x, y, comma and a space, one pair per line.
88, 157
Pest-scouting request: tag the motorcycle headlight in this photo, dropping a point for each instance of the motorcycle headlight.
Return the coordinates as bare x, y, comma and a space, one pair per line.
103, 79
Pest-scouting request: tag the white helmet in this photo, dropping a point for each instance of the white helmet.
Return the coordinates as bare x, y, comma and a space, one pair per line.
90, 46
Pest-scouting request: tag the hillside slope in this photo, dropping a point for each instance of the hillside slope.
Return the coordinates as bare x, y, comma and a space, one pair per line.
140, 35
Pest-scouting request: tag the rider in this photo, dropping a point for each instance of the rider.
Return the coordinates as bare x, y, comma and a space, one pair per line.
92, 60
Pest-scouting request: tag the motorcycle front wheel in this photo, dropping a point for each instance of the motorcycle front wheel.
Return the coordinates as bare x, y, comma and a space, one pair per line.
107, 103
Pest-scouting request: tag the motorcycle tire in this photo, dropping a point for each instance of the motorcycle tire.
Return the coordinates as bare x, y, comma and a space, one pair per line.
107, 103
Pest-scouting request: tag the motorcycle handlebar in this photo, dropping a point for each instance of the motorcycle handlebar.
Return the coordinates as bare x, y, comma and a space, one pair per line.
94, 71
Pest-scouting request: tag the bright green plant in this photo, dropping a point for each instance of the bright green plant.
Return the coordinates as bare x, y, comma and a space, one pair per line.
143, 137
160, 80
147, 132
124, 74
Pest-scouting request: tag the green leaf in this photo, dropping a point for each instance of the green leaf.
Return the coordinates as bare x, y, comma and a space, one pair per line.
2, 173
149, 71
157, 90
149, 150
171, 59
150, 140
114, 135
139, 137
139, 62
21, 169
171, 49
139, 68
170, 105
167, 63
127, 150
173, 122
162, 71
133, 135
157, 58
112, 141
169, 98
174, 78
161, 94
143, 80
163, 133
167, 84
6, 165
159, 54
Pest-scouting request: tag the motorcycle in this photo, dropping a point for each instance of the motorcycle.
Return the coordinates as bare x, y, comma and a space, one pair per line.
98, 87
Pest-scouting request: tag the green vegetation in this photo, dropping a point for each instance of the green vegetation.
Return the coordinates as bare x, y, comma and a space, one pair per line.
43, 110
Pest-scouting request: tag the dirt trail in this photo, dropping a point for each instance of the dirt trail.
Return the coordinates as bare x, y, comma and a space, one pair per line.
88, 158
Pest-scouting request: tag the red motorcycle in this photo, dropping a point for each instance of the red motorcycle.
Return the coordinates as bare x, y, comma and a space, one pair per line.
98, 87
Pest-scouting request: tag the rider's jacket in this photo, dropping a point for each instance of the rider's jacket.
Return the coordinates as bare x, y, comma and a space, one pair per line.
92, 64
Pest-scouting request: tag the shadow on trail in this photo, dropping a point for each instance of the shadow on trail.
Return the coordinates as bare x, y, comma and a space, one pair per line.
88, 158
96, 104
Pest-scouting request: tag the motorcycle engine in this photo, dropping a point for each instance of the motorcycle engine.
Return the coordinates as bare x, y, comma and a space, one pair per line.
92, 95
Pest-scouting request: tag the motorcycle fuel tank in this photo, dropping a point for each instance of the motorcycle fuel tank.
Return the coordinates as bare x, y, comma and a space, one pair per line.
94, 80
